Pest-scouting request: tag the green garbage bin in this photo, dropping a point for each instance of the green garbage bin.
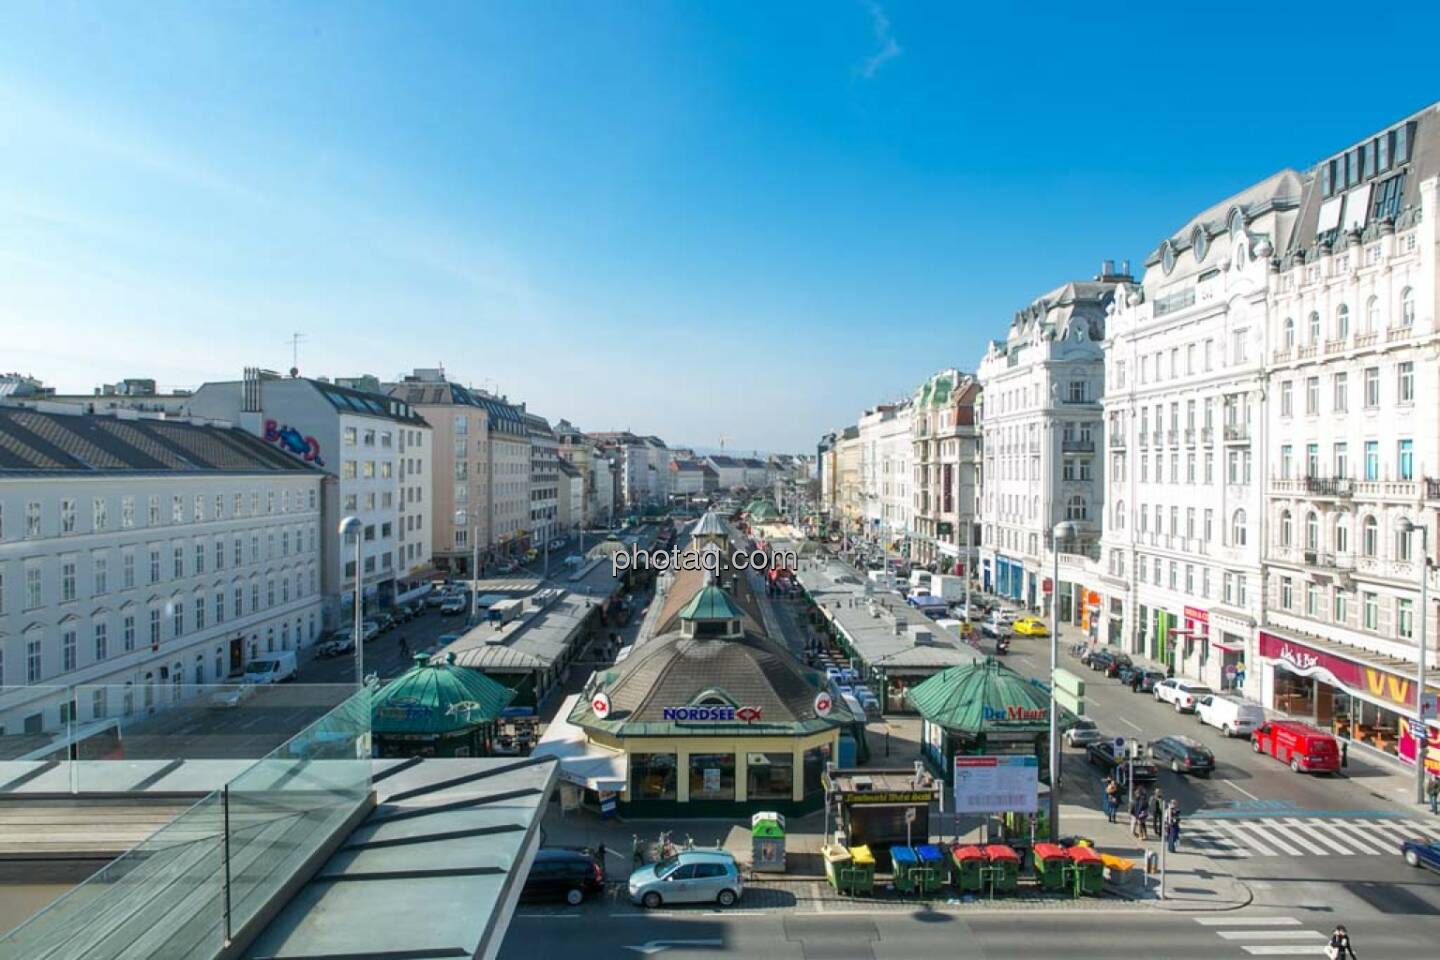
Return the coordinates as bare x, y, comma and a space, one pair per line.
965, 864
1004, 868
861, 871
906, 867
838, 868
930, 872
1050, 863
767, 842
1090, 868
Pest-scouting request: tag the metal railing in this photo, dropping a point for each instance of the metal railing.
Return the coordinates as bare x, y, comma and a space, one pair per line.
1076, 445
1237, 433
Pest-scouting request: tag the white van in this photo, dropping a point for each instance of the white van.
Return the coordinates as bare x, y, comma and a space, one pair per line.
271, 667
1234, 717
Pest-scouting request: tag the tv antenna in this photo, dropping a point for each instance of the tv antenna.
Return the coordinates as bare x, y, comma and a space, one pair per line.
295, 340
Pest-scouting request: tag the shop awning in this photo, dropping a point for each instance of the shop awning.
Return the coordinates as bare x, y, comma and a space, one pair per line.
1228, 647
581, 762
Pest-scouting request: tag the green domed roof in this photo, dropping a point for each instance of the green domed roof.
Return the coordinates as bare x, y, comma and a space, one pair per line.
437, 698
711, 603
985, 696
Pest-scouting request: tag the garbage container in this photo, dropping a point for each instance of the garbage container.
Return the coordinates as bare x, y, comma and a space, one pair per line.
930, 870
861, 871
965, 864
1050, 863
906, 866
767, 842
1004, 867
1089, 868
838, 867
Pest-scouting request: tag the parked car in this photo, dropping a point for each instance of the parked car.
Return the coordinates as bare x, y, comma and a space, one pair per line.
1421, 853
1101, 659
385, 622
370, 629
453, 605
1113, 666
233, 696
1184, 755
268, 668
691, 876
1305, 748
342, 641
1102, 754
1003, 615
1180, 694
559, 873
1031, 627
1083, 733
1232, 716
436, 597
995, 630
1146, 681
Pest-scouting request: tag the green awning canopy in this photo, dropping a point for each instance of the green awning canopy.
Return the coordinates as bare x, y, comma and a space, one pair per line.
985, 697
437, 698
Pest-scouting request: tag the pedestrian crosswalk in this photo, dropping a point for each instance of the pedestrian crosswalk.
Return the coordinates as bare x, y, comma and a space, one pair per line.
1242, 837
1268, 936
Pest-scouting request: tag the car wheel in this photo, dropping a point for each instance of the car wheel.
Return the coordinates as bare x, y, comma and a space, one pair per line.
1295, 766
1156, 696
1178, 708
1174, 766
726, 898
1255, 745
574, 896
1412, 858
1227, 730
651, 900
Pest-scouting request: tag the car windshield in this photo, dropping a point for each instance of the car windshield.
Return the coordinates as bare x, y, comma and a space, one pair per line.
1198, 691
260, 666
666, 867
1084, 724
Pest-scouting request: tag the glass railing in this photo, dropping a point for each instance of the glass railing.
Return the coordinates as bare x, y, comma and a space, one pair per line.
190, 887
110, 738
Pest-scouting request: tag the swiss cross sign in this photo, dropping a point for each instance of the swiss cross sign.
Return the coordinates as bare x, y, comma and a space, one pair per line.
823, 704
600, 706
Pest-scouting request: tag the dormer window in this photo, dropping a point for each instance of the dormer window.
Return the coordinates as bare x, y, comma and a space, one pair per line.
1201, 243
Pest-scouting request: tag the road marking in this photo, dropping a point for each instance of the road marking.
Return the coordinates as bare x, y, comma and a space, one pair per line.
1286, 950
1276, 837
1247, 921
1270, 934
1359, 838
1300, 838
547, 916
658, 946
1133, 726
1245, 840
1240, 788
1332, 846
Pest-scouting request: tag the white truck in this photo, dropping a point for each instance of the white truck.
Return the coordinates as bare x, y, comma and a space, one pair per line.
947, 587
268, 668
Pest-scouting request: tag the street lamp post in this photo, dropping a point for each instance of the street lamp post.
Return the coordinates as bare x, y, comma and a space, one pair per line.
1422, 743
1064, 530
353, 526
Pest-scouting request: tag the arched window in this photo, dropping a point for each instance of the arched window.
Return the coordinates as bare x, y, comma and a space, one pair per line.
1289, 333
1372, 314
1342, 322
1312, 531
1407, 307
1285, 531
1076, 508
1369, 537
1237, 529
1120, 515
1342, 534
1314, 326
1402, 545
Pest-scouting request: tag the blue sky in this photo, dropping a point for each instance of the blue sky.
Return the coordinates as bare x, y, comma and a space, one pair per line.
688, 219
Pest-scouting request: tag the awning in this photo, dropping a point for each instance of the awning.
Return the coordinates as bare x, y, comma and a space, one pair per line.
1228, 647
581, 762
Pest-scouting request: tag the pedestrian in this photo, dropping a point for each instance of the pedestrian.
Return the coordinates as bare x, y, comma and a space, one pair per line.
600, 858
1139, 817
1432, 790
1157, 812
404, 647
1112, 798
1344, 753
1172, 826
1339, 946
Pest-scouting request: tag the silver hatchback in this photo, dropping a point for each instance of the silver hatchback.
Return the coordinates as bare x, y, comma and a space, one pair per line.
691, 876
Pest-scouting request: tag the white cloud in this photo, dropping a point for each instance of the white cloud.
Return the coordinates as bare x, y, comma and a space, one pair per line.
884, 36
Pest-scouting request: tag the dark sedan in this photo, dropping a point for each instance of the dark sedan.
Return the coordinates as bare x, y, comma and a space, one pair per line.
1422, 853
1184, 755
1100, 660
1112, 665
1102, 754
1143, 681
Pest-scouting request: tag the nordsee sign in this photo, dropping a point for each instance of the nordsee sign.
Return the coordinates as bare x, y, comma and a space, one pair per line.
712, 714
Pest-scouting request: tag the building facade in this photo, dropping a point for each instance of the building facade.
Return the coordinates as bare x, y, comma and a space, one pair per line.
887, 453
544, 479
1041, 432
1185, 450
946, 444
141, 558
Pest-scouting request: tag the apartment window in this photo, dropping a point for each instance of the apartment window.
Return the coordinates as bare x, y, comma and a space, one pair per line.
1237, 346
1190, 468
1370, 611
67, 580
238, 555
1342, 534
1407, 307
1209, 525
153, 512
1372, 460
1232, 466
1312, 396
155, 627
1189, 522
178, 553
127, 633
34, 590
254, 595
1285, 461
1078, 391
239, 601
1405, 387
177, 509
127, 568
219, 606
101, 634
1228, 587
347, 436
347, 470
1340, 392
1209, 351
1312, 531
1369, 537
127, 513
1288, 333
1405, 460
219, 554
1287, 593
1287, 399
367, 470
1286, 531
352, 503
1372, 387
1404, 619
1402, 546
1314, 327
369, 438
1372, 314
1237, 529
1312, 600
1209, 467
1341, 457
199, 558
1342, 322
98, 518
100, 567
1312, 460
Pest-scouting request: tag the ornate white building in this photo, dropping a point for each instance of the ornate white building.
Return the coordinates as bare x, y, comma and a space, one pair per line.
1181, 578
1042, 436
947, 467
886, 455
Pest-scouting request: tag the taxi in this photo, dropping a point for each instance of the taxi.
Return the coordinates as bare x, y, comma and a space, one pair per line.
1031, 627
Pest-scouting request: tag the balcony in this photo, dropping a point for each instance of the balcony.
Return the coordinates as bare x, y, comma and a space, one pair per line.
1207, 435
1334, 346
1307, 352
1143, 439
1237, 433
1367, 339
1173, 437
1190, 436
1077, 445
1117, 441
1158, 437
1320, 560
1387, 489
1281, 354
1396, 334
1320, 488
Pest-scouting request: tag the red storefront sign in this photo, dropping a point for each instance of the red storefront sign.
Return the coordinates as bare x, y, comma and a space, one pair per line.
1310, 662
1197, 621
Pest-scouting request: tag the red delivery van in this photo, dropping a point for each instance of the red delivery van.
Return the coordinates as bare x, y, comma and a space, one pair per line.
1307, 749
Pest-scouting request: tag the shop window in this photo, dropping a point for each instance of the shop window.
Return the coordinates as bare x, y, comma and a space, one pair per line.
769, 776
652, 776
712, 776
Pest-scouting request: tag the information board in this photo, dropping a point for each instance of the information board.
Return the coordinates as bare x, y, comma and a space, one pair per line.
996, 784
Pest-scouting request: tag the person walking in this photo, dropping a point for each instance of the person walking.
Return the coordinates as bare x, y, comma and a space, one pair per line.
1139, 817
1157, 813
1339, 946
1172, 826
404, 647
600, 859
1112, 798
1432, 790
